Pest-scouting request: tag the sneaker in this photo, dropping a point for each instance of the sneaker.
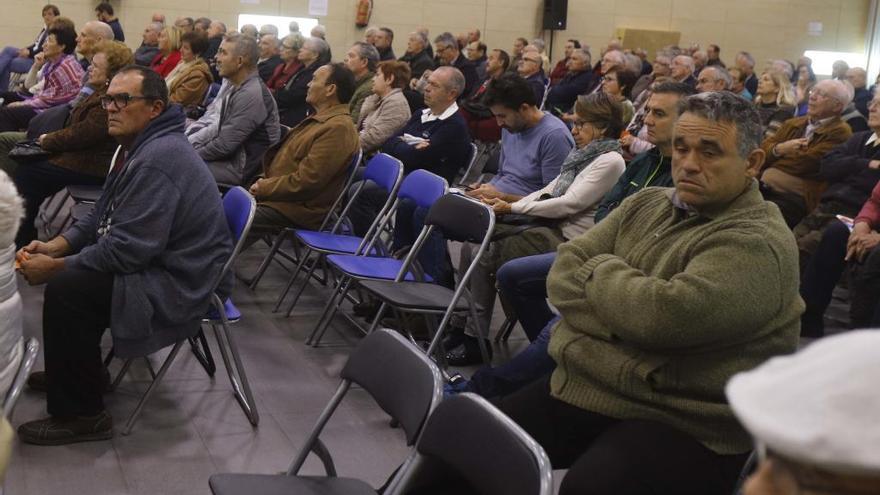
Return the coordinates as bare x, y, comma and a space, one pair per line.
39, 382
468, 352
456, 385
56, 431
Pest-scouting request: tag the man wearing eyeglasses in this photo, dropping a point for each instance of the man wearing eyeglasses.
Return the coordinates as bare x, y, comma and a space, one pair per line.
530, 68
447, 53
143, 262
791, 171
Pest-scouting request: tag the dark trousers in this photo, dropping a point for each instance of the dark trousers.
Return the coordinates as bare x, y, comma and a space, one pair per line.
15, 118
822, 272
367, 205
76, 310
36, 181
621, 457
792, 206
433, 256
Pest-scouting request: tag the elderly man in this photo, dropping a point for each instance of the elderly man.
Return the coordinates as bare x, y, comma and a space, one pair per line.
682, 70
270, 47
448, 54
519, 45
91, 33
104, 13
561, 68
713, 78
476, 53
319, 31
657, 313
745, 62
201, 25
158, 17
186, 24
361, 60
233, 146
660, 68
713, 56
143, 262
382, 40
790, 178
216, 31
858, 78
149, 46
417, 55
700, 60
481, 123
305, 172
530, 70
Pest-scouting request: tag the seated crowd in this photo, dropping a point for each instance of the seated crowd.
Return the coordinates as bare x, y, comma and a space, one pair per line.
629, 197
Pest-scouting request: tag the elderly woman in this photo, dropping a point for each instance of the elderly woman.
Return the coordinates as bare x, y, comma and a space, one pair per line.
774, 100
60, 80
619, 84
386, 111
169, 51
11, 210
562, 210
80, 153
291, 98
189, 80
290, 64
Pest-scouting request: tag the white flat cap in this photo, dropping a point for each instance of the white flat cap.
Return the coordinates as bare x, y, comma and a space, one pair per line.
820, 407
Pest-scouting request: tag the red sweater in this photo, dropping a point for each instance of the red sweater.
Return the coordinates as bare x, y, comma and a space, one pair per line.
870, 212
164, 67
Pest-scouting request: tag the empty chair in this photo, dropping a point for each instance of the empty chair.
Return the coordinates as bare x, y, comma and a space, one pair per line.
402, 381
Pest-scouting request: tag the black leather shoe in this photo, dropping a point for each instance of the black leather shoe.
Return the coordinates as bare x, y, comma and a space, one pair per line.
468, 352
453, 338
55, 431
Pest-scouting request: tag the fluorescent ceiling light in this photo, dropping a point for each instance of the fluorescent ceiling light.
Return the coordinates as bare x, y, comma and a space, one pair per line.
282, 23
822, 60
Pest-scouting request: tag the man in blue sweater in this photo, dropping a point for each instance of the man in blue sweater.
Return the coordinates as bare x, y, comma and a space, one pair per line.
146, 260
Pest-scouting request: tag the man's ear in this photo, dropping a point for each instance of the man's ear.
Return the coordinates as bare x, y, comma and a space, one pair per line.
331, 90
157, 109
755, 162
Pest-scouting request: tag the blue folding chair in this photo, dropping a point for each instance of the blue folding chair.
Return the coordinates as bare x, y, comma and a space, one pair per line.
384, 170
424, 189
332, 214
239, 207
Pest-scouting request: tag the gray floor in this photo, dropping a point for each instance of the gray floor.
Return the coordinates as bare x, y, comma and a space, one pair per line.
193, 426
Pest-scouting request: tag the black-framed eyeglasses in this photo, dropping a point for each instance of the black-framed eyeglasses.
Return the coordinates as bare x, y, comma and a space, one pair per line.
121, 100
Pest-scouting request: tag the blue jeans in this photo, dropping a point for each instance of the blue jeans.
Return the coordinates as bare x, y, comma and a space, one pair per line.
409, 220
522, 283
11, 62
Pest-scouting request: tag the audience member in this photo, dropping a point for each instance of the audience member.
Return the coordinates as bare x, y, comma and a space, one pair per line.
80, 152
713, 78
565, 206
269, 60
530, 70
291, 98
168, 236
682, 70
579, 80
699, 314
805, 82
850, 114
158, 17
539, 45
189, 81
561, 69
216, 32
477, 54
293, 27
660, 69
790, 171
839, 69
290, 47
382, 40
745, 62
774, 100
859, 80
737, 84
385, 112
319, 31
250, 31
61, 81
169, 51
449, 54
233, 147
104, 13
11, 348
700, 60
149, 48
202, 25
417, 54
268, 29
618, 84
651, 168
713, 53
519, 45
481, 123
305, 172
361, 60
187, 24
808, 416
19, 60
91, 33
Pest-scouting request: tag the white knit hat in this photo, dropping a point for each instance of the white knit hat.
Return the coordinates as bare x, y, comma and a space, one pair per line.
819, 407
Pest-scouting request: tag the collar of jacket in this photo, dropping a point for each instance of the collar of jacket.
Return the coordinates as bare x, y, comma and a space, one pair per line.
826, 123
749, 198
329, 113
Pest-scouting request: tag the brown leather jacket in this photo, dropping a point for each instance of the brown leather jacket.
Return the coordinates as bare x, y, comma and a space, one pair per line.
83, 145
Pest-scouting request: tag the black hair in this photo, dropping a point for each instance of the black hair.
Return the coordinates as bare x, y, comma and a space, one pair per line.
504, 57
51, 7
343, 78
576, 43
510, 91
153, 85
198, 42
63, 36
104, 8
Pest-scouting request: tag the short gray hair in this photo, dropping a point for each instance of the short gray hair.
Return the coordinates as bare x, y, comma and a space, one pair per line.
456, 80
320, 47
274, 39
539, 44
584, 53
750, 60
632, 63
446, 39
726, 107
269, 29
721, 73
295, 40
422, 38
367, 52
842, 90
155, 26
245, 47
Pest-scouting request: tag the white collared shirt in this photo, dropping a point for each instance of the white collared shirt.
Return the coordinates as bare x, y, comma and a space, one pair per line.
872, 140
428, 116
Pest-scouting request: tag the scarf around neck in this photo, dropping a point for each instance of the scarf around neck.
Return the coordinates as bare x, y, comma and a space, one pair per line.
579, 159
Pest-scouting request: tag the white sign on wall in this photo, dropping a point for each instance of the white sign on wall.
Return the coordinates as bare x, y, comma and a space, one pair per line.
318, 7
814, 28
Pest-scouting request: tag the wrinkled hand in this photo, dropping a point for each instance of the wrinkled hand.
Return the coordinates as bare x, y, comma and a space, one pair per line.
499, 206
791, 146
38, 268
255, 187
859, 245
485, 191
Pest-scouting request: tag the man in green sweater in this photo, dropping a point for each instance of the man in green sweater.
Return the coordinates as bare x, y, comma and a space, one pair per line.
663, 301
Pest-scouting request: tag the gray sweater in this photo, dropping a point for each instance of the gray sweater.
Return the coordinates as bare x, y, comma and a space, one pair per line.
159, 227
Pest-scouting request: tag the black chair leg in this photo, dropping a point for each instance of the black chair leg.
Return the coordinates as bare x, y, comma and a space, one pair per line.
200, 349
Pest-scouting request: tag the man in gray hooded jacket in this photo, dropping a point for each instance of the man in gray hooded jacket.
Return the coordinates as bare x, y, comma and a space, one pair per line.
143, 262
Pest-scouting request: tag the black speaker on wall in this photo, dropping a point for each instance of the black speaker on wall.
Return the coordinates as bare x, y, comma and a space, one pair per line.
555, 14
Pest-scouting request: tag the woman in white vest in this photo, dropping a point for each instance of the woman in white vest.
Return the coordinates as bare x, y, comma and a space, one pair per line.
11, 349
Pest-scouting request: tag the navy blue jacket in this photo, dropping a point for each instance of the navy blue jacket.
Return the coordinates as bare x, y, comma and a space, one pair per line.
846, 170
563, 94
449, 150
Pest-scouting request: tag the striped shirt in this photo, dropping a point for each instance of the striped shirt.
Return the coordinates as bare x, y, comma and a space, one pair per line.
63, 80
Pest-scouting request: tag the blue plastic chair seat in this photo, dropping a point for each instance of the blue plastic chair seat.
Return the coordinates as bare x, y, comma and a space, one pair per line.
232, 313
329, 243
370, 268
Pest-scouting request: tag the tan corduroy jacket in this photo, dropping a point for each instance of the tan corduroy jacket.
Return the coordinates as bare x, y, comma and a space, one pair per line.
190, 86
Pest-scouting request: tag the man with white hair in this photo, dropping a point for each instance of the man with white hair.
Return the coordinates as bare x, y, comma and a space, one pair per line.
700, 60
746, 63
859, 80
795, 151
813, 418
270, 46
149, 46
91, 34
713, 78
268, 29
361, 60
383, 39
370, 34
417, 54
319, 31
682, 70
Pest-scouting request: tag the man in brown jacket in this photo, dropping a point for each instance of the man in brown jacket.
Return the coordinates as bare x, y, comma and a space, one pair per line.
790, 178
305, 172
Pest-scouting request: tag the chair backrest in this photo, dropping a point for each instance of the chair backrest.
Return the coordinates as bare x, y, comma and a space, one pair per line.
239, 208
475, 152
423, 187
467, 438
350, 171
460, 218
399, 376
31, 349
384, 170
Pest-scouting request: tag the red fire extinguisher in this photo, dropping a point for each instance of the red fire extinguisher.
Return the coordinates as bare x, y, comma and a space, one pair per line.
364, 9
